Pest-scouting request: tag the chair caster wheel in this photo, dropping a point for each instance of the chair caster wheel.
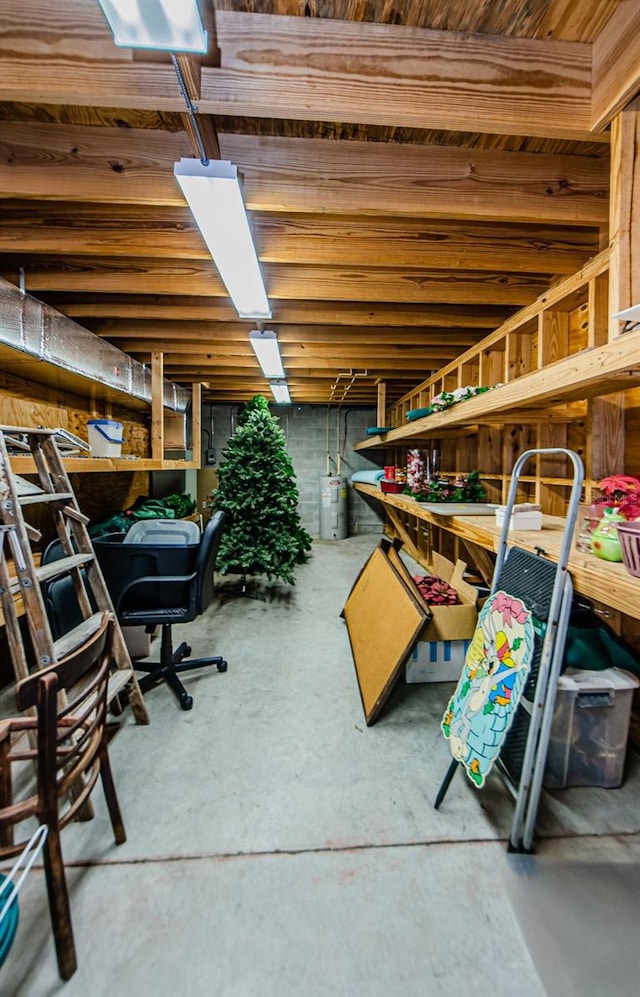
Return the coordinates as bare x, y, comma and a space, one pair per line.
186, 702
222, 667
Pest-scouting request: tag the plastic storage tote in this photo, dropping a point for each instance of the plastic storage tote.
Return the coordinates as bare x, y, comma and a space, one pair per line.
590, 727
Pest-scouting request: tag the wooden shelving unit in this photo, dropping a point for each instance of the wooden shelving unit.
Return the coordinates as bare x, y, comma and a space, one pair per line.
566, 377
559, 377
592, 577
87, 465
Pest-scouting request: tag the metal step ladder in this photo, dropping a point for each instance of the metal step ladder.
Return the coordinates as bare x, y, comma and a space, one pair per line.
79, 564
547, 590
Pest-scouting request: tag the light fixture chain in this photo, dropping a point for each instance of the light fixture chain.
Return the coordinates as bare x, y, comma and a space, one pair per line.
192, 110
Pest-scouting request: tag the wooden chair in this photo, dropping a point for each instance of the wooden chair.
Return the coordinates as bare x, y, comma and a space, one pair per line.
68, 745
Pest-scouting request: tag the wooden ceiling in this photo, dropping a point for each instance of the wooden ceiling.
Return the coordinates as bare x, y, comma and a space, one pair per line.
415, 172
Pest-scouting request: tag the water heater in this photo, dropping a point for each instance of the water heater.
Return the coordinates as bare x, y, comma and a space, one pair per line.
334, 517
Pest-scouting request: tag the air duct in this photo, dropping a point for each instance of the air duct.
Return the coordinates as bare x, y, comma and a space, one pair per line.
36, 330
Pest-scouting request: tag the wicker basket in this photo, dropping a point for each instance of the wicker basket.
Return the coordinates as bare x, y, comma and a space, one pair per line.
629, 534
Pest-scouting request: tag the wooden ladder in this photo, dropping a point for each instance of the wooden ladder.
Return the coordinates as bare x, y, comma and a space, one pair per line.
79, 563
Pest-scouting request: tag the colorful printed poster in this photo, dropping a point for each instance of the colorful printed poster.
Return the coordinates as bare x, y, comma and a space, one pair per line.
495, 673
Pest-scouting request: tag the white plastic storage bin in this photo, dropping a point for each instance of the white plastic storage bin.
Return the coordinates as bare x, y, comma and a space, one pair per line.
105, 437
530, 519
590, 727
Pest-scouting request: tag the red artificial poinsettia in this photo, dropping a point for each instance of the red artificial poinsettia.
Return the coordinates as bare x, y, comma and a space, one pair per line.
623, 491
620, 486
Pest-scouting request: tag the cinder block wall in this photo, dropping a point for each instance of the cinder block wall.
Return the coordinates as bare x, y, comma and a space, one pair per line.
305, 429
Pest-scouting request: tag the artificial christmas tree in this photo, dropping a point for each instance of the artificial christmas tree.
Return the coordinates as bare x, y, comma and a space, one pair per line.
258, 491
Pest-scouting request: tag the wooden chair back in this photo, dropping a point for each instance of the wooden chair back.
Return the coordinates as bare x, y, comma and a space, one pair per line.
66, 741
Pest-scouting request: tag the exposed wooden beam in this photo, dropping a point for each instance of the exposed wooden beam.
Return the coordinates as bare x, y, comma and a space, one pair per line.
169, 307
135, 166
299, 353
208, 371
282, 281
40, 227
203, 333
332, 70
616, 64
302, 68
316, 175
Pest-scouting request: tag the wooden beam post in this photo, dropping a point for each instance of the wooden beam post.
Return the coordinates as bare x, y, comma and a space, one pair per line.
157, 406
196, 422
381, 413
624, 214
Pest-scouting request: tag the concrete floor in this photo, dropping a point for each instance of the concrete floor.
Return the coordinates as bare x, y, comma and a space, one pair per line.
277, 846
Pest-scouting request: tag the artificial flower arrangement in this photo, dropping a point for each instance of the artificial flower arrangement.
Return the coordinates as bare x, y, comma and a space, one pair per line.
465, 488
447, 398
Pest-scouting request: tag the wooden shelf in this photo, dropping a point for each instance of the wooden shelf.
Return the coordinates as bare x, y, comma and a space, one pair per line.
596, 579
597, 371
87, 465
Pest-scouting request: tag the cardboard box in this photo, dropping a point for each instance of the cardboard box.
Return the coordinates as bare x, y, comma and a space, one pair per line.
175, 430
436, 661
439, 656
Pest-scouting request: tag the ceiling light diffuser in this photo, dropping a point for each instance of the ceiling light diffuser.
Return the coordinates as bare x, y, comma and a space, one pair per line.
280, 391
265, 347
174, 25
629, 314
214, 196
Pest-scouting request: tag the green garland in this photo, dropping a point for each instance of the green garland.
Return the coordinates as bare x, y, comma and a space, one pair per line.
467, 489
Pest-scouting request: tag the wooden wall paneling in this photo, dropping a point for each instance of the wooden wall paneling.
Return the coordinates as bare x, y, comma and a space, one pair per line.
577, 436
466, 457
598, 311
606, 436
519, 355
490, 441
516, 439
552, 497
624, 215
578, 328
469, 373
492, 366
101, 495
553, 336
632, 432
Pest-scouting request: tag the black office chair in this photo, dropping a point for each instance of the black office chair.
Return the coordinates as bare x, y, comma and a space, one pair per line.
161, 585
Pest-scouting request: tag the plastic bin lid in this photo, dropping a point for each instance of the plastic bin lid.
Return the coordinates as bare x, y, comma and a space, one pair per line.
582, 679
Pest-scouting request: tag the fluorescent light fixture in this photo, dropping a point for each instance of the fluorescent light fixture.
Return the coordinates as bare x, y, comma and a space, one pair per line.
214, 196
280, 391
629, 314
174, 25
265, 347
